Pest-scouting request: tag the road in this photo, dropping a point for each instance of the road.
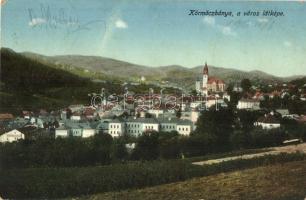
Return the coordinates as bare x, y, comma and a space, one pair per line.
271, 151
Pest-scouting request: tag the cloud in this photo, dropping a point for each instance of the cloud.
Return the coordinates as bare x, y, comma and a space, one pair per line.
226, 30
37, 21
209, 20
121, 24
287, 44
262, 20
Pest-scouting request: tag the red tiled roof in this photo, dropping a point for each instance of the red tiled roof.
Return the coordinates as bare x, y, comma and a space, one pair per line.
302, 119
25, 112
4, 116
215, 80
89, 111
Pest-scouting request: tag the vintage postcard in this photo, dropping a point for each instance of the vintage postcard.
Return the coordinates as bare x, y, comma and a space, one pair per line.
173, 99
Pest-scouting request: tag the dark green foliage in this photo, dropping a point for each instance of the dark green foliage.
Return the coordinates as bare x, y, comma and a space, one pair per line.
20, 73
240, 139
68, 182
246, 85
147, 147
267, 138
235, 97
169, 145
217, 126
247, 118
60, 152
120, 152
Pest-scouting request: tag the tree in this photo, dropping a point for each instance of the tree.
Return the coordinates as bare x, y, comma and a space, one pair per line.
240, 139
247, 118
147, 147
235, 97
217, 126
101, 147
120, 152
246, 85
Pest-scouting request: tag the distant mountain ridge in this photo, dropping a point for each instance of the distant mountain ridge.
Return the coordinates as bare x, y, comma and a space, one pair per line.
174, 74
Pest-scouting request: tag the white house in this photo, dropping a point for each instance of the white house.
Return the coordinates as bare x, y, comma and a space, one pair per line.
134, 126
269, 121
11, 136
212, 101
88, 132
116, 128
150, 124
76, 116
252, 104
184, 127
167, 124
61, 132
75, 129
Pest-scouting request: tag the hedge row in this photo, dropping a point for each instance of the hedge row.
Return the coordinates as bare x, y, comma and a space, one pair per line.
67, 182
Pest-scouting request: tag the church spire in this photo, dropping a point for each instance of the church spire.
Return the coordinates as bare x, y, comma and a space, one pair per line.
205, 69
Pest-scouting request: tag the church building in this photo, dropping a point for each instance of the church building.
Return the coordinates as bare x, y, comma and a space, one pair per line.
207, 85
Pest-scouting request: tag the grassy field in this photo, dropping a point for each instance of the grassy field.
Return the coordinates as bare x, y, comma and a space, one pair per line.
280, 181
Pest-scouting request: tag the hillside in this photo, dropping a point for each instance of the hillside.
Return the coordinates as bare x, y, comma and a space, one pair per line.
22, 74
33, 84
175, 74
281, 181
28, 84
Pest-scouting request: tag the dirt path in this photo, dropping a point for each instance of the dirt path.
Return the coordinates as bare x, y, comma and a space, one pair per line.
273, 151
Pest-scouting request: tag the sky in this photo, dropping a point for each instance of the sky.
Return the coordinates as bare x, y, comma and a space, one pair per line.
159, 33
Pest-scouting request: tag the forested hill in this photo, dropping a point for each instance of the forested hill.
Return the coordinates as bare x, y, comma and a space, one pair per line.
27, 84
176, 75
23, 74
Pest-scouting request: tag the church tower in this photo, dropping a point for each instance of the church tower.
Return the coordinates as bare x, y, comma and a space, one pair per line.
205, 79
